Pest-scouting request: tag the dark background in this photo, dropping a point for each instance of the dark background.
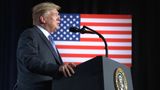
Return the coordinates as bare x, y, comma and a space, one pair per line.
16, 16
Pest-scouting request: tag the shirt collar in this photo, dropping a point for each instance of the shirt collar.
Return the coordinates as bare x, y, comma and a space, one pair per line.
44, 31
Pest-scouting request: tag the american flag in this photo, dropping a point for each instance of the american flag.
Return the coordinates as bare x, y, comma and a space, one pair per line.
78, 48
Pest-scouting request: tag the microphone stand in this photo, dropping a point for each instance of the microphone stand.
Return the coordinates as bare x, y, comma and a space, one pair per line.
95, 32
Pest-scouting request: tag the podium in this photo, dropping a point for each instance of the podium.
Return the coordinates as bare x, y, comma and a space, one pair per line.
99, 73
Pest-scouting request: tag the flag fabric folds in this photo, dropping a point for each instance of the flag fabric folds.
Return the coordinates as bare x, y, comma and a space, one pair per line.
78, 48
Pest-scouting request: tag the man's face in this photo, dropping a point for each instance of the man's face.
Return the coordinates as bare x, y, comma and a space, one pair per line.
52, 20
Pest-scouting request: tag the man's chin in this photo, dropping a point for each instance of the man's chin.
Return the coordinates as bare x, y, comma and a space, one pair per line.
57, 27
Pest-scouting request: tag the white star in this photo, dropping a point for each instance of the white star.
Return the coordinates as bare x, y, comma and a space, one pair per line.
64, 33
77, 22
64, 21
77, 16
67, 36
74, 25
58, 32
68, 19
70, 22
58, 38
64, 27
70, 33
64, 38
61, 35
65, 16
61, 30
76, 38
61, 24
71, 16
70, 38
55, 35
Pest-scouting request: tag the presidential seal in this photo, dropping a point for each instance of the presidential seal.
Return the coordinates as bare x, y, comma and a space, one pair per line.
120, 80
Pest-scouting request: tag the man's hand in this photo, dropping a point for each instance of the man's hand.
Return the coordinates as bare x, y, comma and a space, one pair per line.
67, 69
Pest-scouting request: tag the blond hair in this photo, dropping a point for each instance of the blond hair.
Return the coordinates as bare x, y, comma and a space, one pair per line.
42, 8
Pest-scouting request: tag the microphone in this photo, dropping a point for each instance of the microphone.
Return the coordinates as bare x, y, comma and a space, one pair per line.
82, 30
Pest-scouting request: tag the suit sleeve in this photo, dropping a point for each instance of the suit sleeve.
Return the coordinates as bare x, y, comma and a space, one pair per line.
27, 54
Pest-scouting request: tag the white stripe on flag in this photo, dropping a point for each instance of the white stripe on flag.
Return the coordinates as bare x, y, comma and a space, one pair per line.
93, 51
105, 20
79, 59
105, 36
77, 43
104, 28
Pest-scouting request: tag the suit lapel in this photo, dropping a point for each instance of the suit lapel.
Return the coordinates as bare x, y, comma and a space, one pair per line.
58, 60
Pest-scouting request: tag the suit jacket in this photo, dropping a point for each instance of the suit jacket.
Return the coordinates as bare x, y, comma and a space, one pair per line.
36, 61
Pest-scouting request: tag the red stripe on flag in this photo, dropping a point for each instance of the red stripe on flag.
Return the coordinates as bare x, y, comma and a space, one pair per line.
94, 47
105, 16
119, 56
93, 55
80, 55
108, 40
105, 24
114, 32
78, 63
127, 64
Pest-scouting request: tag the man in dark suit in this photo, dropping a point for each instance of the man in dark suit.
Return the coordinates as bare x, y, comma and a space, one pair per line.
38, 60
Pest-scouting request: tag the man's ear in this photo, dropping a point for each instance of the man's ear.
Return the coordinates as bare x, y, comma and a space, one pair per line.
42, 19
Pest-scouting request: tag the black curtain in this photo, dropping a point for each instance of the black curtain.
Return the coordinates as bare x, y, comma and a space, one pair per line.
16, 16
